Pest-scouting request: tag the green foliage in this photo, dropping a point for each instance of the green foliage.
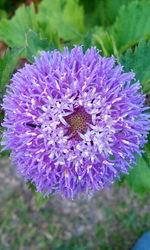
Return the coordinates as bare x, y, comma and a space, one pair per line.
87, 41
39, 199
7, 66
2, 4
34, 44
102, 38
31, 186
73, 15
55, 20
66, 17
102, 12
139, 61
108, 10
3, 14
139, 177
13, 31
131, 26
62, 22
9, 5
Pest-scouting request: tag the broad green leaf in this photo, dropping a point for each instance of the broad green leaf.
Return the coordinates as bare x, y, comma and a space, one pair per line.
8, 65
58, 21
13, 31
73, 15
34, 44
139, 61
132, 25
108, 10
139, 177
102, 12
65, 16
91, 12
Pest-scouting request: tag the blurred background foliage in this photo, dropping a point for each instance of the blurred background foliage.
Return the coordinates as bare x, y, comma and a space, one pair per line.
120, 28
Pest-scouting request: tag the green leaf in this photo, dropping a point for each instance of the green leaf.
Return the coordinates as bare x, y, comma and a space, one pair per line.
87, 41
65, 16
3, 14
132, 25
34, 44
102, 12
147, 151
31, 186
7, 66
139, 177
40, 200
109, 10
57, 21
10, 5
73, 15
103, 39
139, 61
2, 4
13, 31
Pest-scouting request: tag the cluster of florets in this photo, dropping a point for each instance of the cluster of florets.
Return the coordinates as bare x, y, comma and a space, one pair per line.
74, 121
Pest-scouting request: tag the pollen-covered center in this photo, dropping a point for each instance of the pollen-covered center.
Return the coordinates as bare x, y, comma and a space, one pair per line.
78, 122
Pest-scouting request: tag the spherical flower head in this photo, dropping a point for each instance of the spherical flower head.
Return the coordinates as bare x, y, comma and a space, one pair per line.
74, 121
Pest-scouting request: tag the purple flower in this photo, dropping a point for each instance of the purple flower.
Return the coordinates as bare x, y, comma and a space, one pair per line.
74, 121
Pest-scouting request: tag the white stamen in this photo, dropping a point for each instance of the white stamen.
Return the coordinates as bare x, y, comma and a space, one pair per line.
88, 168
126, 142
